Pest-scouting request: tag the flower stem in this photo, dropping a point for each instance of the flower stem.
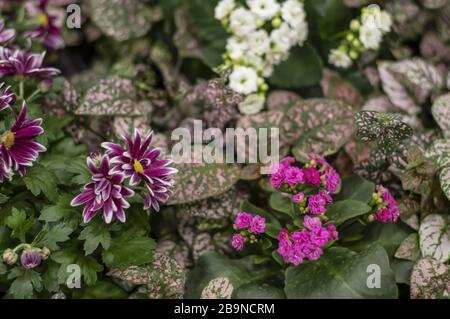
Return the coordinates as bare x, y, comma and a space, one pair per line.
21, 89
33, 95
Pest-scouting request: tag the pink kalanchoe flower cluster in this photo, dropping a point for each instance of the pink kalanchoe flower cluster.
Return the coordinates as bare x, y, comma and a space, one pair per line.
18, 149
249, 226
141, 163
307, 243
387, 210
316, 173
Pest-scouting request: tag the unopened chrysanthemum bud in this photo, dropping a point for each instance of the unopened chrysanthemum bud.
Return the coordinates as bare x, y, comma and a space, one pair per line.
354, 25
356, 43
44, 253
276, 22
350, 37
9, 257
30, 258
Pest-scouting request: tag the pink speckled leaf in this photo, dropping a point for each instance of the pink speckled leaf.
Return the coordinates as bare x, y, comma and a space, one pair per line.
218, 288
197, 181
110, 96
278, 99
222, 206
441, 113
126, 125
203, 244
137, 275
166, 278
334, 87
319, 126
430, 279
409, 248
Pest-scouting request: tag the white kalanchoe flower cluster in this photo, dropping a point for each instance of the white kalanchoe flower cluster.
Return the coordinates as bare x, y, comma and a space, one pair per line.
366, 33
262, 33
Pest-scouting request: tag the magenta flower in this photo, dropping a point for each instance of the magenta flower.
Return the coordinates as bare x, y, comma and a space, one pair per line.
332, 180
104, 192
6, 35
297, 198
316, 204
48, 33
312, 222
276, 179
388, 211
23, 63
238, 242
30, 258
312, 176
294, 176
6, 97
258, 224
326, 196
140, 162
18, 147
243, 220
334, 235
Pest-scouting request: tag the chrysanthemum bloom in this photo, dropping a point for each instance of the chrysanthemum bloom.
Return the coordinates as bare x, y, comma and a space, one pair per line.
18, 147
5, 170
6, 35
48, 33
6, 97
140, 162
30, 258
238, 242
104, 192
24, 63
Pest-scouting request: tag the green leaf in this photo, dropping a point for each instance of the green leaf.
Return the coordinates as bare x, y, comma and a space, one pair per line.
281, 203
125, 251
434, 233
199, 181
40, 179
56, 234
94, 234
258, 291
318, 126
88, 265
341, 273
343, 210
302, 68
357, 188
209, 30
50, 276
19, 223
61, 211
26, 282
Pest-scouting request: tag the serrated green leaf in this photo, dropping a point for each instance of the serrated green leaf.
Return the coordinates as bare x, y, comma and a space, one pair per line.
124, 252
53, 235
39, 179
94, 234
19, 223
26, 281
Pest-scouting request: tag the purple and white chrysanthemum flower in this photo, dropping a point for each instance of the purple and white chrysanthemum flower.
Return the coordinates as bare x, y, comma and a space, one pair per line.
18, 148
6, 97
138, 161
5, 170
106, 191
25, 63
6, 35
48, 33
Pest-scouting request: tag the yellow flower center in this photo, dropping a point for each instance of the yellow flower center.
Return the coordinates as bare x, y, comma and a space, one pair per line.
43, 19
138, 167
8, 139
